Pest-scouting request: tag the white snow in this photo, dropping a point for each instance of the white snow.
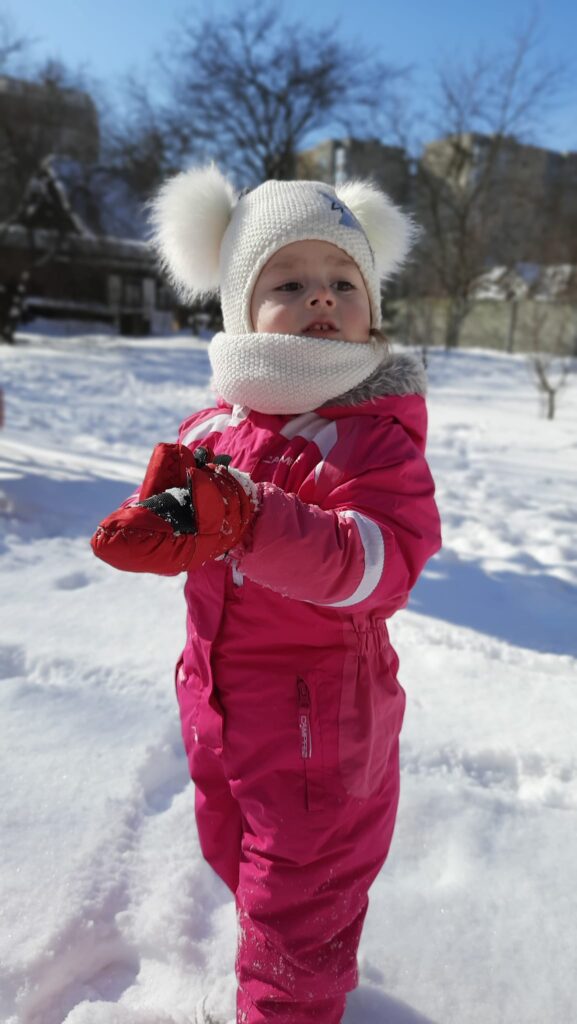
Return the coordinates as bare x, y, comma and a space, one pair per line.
108, 914
181, 494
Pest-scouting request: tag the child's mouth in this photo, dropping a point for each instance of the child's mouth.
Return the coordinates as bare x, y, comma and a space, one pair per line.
320, 327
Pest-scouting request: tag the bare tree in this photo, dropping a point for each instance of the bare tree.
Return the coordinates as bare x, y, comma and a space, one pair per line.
11, 44
418, 323
139, 150
34, 111
552, 366
248, 90
43, 116
474, 203
14, 286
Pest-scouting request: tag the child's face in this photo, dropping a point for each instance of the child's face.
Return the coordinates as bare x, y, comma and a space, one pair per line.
314, 289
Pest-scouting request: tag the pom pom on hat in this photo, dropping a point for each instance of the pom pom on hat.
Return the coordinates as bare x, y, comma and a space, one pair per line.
189, 216
390, 232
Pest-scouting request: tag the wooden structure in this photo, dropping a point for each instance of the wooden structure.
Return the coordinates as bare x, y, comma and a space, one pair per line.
53, 265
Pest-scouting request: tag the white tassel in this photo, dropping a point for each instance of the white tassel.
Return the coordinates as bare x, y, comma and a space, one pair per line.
389, 231
189, 216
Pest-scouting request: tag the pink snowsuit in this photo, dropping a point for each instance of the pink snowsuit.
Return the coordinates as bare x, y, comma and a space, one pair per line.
287, 686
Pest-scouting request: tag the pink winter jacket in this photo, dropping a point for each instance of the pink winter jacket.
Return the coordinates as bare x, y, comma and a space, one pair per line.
298, 614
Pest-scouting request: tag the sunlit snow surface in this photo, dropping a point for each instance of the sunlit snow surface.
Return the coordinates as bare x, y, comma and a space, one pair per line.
108, 914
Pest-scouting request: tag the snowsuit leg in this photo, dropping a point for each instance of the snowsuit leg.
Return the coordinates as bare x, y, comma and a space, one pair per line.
218, 817
299, 785
217, 811
301, 907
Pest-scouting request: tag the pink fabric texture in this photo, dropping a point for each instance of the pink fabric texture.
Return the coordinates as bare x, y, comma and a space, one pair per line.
288, 692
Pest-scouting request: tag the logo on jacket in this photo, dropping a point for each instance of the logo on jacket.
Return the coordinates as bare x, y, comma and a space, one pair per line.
305, 731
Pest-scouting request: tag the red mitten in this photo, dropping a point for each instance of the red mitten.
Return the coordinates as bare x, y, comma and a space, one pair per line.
167, 468
200, 513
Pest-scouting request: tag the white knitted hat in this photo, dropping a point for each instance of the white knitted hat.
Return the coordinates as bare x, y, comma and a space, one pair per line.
209, 239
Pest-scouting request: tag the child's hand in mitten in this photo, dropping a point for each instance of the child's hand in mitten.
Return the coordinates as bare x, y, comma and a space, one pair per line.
202, 511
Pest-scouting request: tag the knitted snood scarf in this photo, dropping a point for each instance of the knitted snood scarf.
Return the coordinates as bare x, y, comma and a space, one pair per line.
285, 373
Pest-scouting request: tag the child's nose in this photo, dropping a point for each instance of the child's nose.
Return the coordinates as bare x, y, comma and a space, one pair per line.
320, 295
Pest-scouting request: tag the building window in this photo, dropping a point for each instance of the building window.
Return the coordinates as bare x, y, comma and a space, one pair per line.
114, 289
132, 292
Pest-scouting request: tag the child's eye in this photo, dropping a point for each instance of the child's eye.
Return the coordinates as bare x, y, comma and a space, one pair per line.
289, 286
344, 286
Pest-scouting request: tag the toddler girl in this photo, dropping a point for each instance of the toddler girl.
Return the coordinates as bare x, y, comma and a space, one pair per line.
302, 508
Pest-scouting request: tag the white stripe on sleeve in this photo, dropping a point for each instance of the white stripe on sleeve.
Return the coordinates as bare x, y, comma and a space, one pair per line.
374, 546
306, 425
326, 438
211, 425
325, 441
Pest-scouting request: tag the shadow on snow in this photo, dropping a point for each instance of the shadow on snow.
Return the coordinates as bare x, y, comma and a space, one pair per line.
537, 611
33, 507
370, 1004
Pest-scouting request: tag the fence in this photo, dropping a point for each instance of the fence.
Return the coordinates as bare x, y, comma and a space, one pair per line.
520, 326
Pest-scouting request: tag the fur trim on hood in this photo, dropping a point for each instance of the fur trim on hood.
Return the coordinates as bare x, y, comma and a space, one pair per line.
400, 373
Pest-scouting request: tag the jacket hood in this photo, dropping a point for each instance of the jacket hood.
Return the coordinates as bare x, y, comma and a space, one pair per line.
400, 373
395, 392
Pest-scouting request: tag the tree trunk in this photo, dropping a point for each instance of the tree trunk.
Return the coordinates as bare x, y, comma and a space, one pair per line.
456, 314
514, 310
12, 307
7, 320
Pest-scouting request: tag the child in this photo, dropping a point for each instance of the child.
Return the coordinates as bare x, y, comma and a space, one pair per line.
297, 552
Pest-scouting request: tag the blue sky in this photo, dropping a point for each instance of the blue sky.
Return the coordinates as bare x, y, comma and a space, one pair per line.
112, 37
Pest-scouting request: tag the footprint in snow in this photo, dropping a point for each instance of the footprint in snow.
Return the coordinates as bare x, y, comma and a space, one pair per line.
108, 1013
12, 661
164, 775
73, 581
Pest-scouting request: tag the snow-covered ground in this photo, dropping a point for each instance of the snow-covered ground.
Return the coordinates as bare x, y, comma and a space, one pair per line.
108, 915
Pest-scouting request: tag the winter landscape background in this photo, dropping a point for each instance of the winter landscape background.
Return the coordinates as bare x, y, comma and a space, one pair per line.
108, 915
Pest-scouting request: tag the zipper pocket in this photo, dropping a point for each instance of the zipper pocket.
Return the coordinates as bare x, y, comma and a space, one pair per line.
304, 715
